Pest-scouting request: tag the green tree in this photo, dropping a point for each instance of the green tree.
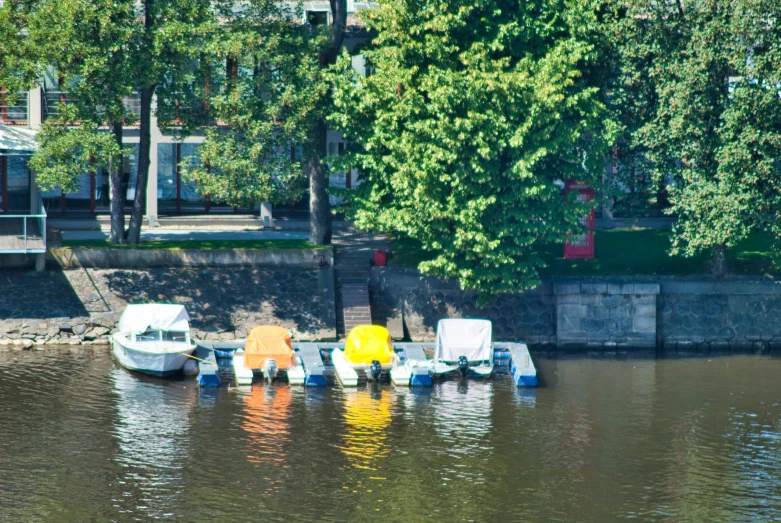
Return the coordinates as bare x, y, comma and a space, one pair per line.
475, 111
18, 68
68, 149
103, 51
264, 75
87, 44
260, 79
710, 113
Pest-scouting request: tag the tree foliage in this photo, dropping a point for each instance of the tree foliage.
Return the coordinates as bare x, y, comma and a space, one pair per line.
68, 151
710, 114
103, 51
474, 112
259, 75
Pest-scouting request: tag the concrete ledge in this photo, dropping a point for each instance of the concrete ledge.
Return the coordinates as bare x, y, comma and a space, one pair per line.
721, 287
606, 288
75, 258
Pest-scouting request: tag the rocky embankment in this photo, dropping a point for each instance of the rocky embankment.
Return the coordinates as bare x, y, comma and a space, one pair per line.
82, 307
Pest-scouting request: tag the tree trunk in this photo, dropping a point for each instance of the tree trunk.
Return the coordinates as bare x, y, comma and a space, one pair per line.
319, 206
117, 234
145, 133
719, 268
145, 140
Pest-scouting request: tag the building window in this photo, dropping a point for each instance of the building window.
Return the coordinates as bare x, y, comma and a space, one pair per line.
317, 17
173, 193
94, 192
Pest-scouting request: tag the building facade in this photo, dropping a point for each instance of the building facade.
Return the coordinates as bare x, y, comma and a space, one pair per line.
167, 193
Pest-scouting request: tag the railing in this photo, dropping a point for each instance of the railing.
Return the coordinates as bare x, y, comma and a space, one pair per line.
14, 114
51, 99
133, 104
23, 233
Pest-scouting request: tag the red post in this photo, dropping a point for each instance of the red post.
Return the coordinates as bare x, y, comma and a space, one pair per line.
581, 246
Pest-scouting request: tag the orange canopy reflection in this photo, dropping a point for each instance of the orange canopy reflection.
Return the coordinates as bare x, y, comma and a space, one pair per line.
266, 422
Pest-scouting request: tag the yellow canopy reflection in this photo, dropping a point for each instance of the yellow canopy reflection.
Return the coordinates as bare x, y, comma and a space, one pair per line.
367, 418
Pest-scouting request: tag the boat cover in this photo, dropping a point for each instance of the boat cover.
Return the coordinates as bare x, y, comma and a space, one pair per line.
139, 318
470, 338
367, 343
268, 341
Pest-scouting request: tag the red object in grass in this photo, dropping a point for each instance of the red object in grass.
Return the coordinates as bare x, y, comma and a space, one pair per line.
581, 246
380, 258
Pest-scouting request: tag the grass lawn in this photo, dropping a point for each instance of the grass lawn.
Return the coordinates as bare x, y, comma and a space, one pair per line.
197, 244
627, 252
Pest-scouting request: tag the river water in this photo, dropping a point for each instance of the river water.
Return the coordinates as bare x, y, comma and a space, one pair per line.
651, 439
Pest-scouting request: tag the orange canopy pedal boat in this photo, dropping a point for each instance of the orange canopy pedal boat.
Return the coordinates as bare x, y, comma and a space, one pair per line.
269, 350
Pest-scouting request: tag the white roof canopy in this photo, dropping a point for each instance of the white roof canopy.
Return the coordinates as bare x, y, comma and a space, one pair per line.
154, 316
470, 338
15, 139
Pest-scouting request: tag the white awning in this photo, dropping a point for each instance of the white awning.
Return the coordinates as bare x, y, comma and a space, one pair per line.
470, 338
154, 316
17, 140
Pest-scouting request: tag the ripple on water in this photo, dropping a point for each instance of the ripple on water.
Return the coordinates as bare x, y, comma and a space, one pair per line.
686, 440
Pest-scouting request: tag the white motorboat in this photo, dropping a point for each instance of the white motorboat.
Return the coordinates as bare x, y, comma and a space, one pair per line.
463, 346
153, 338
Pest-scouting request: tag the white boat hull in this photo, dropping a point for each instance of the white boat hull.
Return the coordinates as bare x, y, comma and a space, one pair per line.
166, 359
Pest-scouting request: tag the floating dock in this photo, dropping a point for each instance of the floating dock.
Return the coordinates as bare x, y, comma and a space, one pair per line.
314, 359
521, 365
207, 372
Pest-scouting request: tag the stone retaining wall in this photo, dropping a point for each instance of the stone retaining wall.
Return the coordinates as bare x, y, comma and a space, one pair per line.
76, 257
419, 302
606, 315
719, 316
82, 306
682, 315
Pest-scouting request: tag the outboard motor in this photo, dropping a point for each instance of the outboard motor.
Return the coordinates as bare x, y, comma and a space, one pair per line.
376, 370
463, 365
270, 369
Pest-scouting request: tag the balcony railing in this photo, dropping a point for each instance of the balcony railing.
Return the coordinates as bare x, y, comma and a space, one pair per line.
23, 233
51, 99
15, 114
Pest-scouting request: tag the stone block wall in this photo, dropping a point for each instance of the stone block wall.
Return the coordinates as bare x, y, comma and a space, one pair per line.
422, 301
82, 306
606, 315
719, 316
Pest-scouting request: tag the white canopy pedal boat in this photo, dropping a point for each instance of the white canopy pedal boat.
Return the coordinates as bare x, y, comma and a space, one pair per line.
153, 338
463, 346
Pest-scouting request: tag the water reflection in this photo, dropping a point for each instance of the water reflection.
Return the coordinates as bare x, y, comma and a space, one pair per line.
462, 416
367, 416
266, 422
152, 430
657, 440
